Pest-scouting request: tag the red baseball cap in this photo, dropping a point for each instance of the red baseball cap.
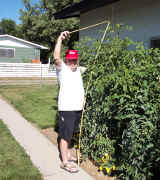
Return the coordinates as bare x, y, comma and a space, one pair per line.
72, 55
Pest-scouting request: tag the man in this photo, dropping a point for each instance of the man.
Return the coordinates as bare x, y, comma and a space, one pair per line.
70, 99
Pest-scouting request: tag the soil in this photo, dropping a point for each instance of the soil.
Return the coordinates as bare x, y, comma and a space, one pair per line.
87, 165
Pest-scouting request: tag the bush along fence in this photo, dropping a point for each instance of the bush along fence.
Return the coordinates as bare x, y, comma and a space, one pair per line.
121, 121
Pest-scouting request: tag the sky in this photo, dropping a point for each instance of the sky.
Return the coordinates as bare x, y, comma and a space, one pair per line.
9, 9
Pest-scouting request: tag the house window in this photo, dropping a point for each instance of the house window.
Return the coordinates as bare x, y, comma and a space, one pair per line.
7, 52
155, 43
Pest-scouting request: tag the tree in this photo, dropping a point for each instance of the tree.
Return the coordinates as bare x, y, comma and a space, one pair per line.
8, 26
39, 25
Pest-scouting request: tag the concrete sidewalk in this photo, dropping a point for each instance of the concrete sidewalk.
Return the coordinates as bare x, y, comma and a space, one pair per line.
43, 153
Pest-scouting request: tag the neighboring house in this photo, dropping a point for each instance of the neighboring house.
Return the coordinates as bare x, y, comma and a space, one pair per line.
142, 15
16, 50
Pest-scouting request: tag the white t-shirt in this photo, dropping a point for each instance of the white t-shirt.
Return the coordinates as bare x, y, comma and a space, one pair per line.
71, 93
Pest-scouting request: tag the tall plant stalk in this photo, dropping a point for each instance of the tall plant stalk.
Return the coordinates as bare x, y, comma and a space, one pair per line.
90, 78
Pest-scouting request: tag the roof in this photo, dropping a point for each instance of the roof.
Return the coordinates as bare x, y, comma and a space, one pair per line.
82, 6
23, 41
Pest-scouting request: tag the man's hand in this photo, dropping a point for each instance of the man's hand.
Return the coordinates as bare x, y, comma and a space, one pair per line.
64, 35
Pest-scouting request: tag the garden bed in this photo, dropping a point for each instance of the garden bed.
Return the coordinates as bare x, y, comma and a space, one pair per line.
87, 165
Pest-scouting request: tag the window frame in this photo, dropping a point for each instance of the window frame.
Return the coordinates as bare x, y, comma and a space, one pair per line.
155, 38
3, 48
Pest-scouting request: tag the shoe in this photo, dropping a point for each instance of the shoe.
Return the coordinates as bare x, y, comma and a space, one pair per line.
73, 159
69, 167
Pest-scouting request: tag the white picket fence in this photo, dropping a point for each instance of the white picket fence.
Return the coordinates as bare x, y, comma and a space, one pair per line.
27, 70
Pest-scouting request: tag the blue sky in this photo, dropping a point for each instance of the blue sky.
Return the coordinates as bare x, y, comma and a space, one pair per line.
9, 9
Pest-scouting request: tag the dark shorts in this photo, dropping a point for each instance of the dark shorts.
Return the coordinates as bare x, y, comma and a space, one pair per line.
69, 123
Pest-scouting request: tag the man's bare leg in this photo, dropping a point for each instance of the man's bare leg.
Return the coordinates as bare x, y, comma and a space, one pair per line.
71, 157
64, 150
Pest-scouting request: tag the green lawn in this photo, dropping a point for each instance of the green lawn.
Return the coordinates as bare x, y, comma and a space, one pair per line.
37, 104
14, 163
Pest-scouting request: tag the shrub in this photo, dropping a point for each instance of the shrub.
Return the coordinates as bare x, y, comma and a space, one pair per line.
123, 106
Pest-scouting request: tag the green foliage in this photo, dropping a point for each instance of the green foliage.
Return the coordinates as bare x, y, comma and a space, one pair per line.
123, 105
8, 26
39, 26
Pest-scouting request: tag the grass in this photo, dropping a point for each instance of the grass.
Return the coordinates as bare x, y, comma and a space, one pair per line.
14, 163
37, 104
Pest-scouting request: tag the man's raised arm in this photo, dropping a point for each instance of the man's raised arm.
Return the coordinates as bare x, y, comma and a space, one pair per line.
57, 49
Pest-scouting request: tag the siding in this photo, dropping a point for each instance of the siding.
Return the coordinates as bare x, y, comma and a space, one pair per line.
142, 15
22, 55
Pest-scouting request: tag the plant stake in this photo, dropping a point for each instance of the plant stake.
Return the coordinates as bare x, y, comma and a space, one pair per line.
83, 110
91, 26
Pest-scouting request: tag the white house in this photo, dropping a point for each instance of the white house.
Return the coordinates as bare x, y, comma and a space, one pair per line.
142, 15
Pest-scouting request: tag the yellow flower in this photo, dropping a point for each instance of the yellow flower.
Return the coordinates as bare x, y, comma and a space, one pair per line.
103, 160
76, 146
100, 168
114, 167
108, 170
107, 156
